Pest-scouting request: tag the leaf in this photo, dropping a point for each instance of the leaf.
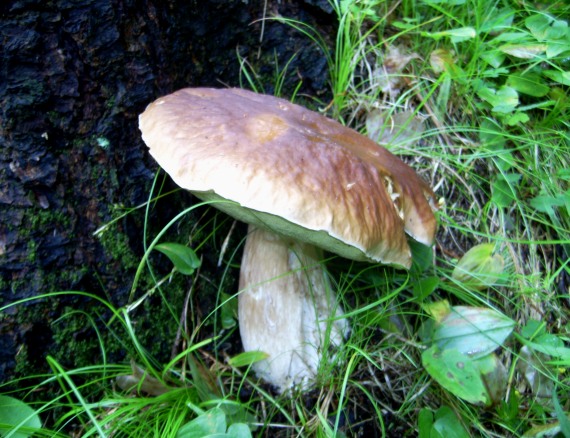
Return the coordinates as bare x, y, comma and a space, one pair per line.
229, 312
504, 189
516, 118
209, 423
479, 267
456, 35
473, 331
457, 373
562, 77
544, 27
494, 58
503, 100
247, 358
239, 430
425, 423
17, 418
523, 51
530, 84
498, 20
447, 425
548, 203
183, 258
438, 309
425, 287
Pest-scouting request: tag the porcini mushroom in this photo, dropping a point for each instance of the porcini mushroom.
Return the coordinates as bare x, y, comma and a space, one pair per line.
304, 183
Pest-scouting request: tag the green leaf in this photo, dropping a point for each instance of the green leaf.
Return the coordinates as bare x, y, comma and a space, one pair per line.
516, 118
552, 346
504, 189
447, 425
425, 423
229, 312
530, 84
247, 358
473, 331
456, 35
562, 416
548, 203
562, 77
183, 258
494, 58
209, 423
479, 267
498, 20
523, 51
503, 100
457, 373
493, 139
239, 430
17, 417
546, 28
425, 287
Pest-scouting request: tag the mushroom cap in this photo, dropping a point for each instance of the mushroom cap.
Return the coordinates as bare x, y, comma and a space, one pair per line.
292, 171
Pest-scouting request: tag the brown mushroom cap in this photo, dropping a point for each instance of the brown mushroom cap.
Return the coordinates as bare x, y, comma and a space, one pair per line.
290, 170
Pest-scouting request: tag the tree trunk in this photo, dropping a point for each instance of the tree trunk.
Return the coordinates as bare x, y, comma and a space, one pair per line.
74, 77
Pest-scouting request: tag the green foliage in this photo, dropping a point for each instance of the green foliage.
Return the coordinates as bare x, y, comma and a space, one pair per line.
472, 341
212, 423
184, 259
17, 418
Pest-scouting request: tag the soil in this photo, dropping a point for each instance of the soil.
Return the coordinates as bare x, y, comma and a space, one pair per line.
74, 75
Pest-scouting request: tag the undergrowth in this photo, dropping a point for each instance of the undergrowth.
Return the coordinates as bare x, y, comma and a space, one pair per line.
473, 94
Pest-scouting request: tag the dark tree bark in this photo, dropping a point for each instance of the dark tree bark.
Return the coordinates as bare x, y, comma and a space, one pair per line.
74, 75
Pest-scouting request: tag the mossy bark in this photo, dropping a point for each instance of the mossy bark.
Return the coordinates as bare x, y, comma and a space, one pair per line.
74, 75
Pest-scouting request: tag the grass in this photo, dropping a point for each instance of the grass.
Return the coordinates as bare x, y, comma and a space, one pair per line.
474, 95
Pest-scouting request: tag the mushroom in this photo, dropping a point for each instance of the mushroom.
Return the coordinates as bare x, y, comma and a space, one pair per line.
304, 183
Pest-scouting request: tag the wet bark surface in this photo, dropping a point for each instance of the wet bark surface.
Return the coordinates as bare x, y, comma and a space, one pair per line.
74, 75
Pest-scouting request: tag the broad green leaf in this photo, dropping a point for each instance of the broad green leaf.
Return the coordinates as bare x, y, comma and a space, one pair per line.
516, 118
479, 267
473, 331
425, 287
530, 84
183, 258
447, 425
503, 100
562, 77
425, 423
548, 203
21, 419
544, 27
239, 430
494, 58
504, 189
457, 373
209, 423
498, 20
247, 358
551, 345
456, 35
524, 51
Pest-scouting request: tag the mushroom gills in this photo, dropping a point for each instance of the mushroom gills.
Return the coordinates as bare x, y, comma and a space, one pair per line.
287, 309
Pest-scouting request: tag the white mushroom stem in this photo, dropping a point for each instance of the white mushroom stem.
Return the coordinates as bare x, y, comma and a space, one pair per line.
287, 308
